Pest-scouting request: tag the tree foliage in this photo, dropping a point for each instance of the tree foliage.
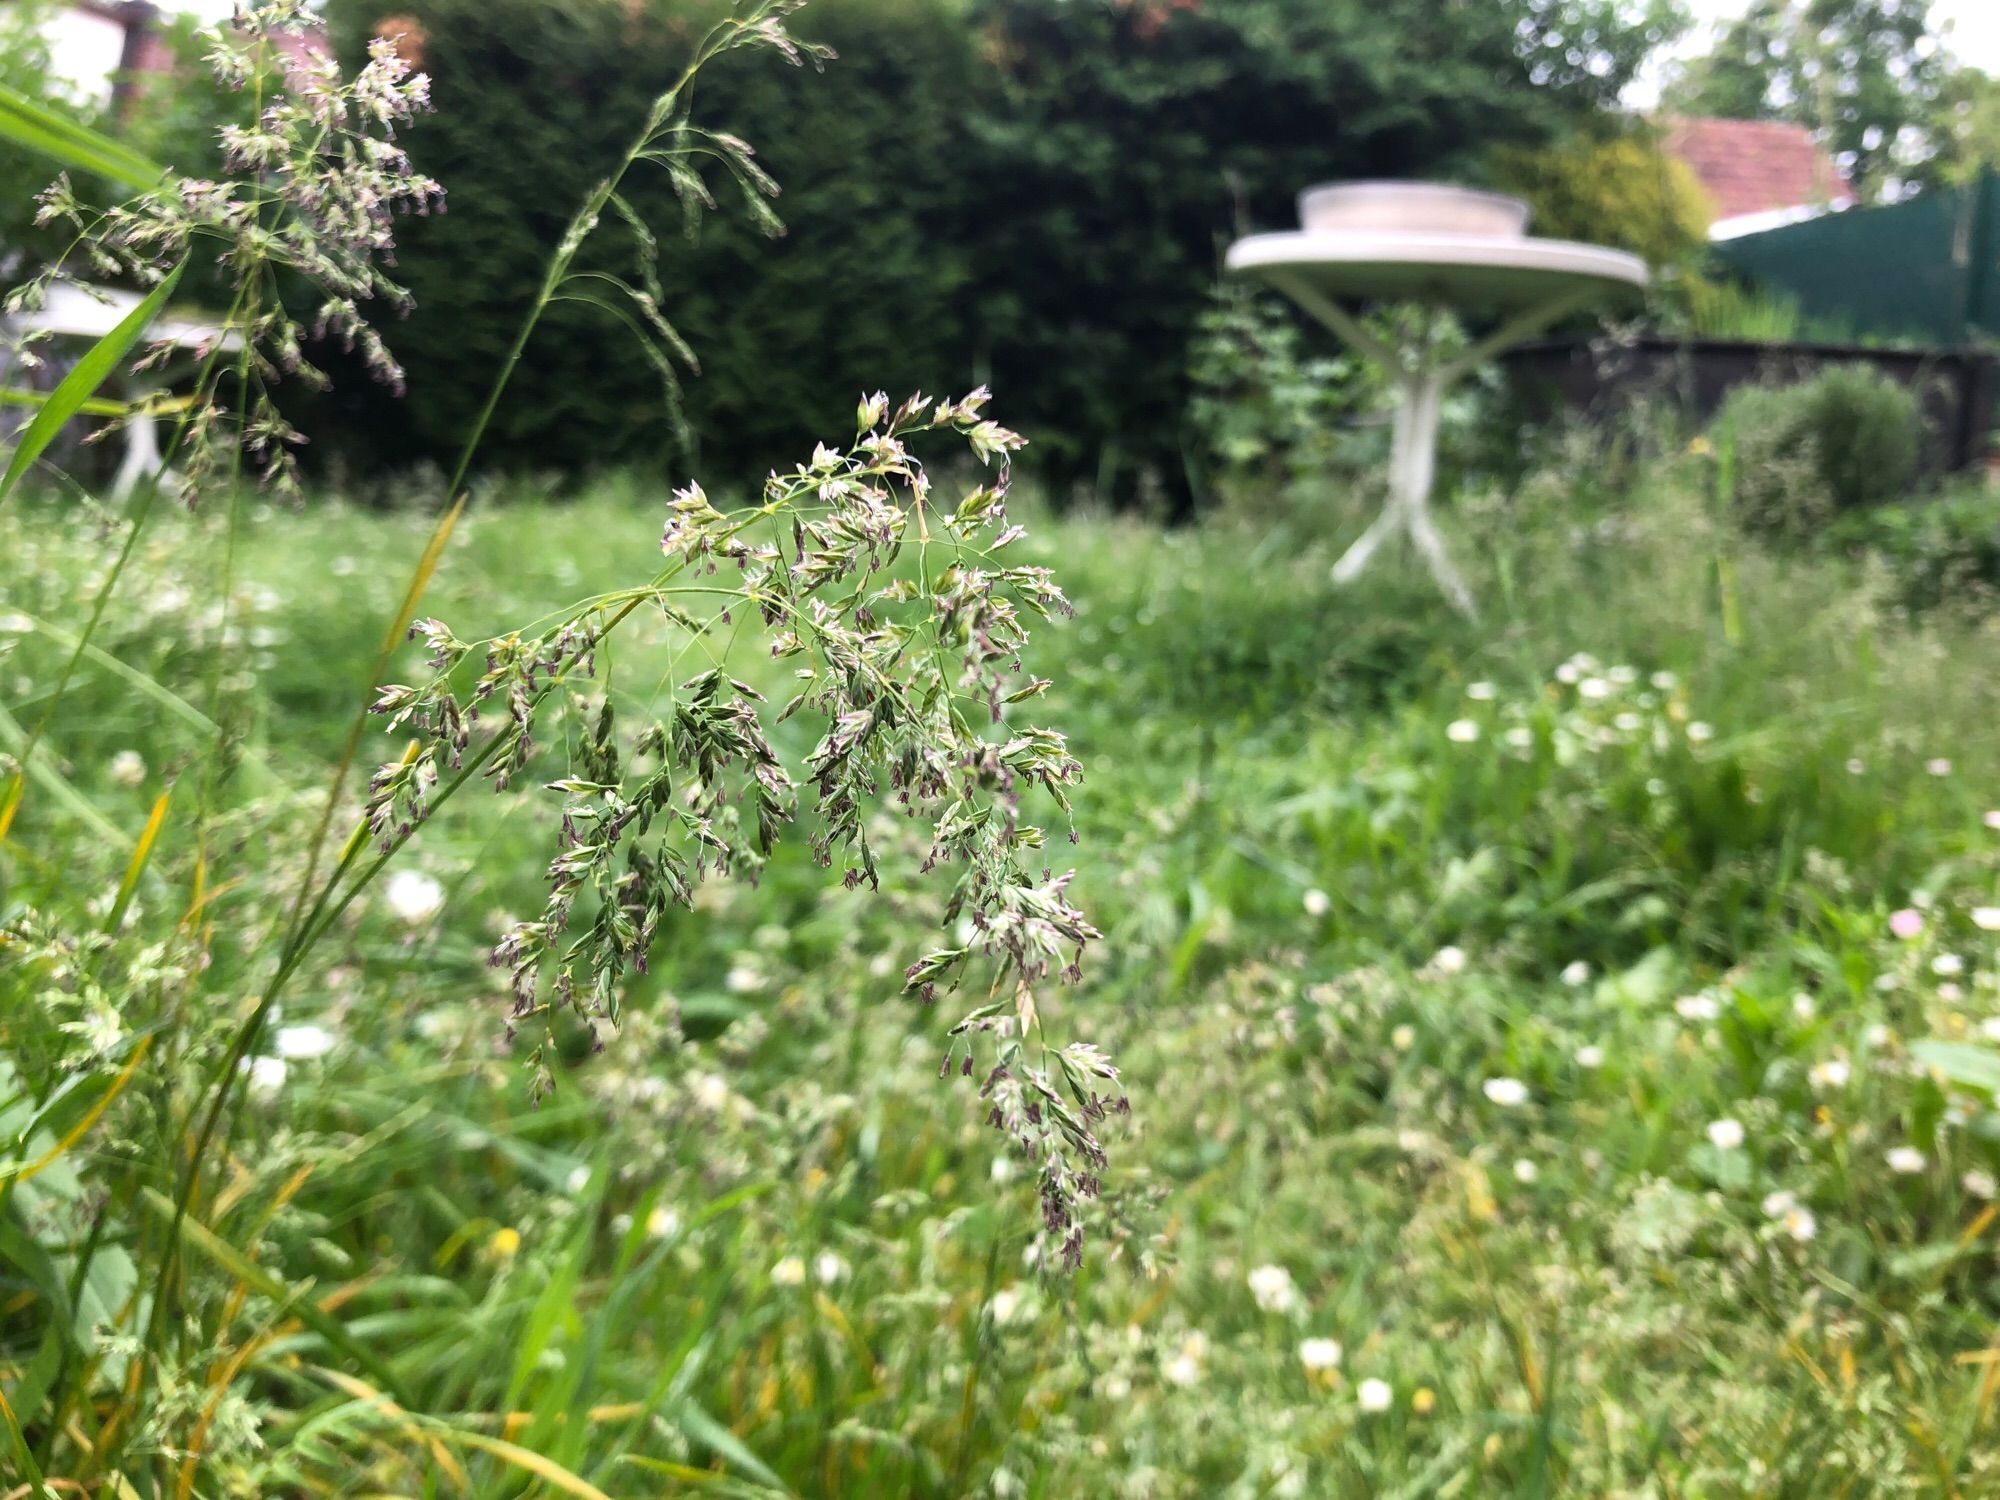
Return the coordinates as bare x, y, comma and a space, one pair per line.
1862, 74
1617, 189
1031, 192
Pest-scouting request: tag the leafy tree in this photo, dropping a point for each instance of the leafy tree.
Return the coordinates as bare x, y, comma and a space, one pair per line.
26, 68
1862, 74
1617, 189
1031, 192
1964, 128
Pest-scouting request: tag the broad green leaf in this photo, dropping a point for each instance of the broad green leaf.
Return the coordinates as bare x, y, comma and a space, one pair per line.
47, 133
1962, 1063
82, 382
705, 1430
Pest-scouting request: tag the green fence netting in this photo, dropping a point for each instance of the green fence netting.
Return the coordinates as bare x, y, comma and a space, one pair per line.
1924, 268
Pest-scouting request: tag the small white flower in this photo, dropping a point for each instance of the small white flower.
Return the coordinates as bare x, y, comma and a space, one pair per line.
1273, 1290
1374, 1395
1593, 689
1986, 918
128, 768
1590, 1057
1697, 1008
1979, 1184
1700, 733
1906, 1161
297, 1042
1725, 1135
1403, 1038
1449, 960
1990, 1028
1800, 1224
1525, 1171
1856, 766
1320, 1354
413, 897
1992, 818
1780, 1203
1316, 902
1461, 731
267, 1075
1576, 973
1666, 682
577, 1181
1567, 672
1951, 993
1003, 1169
1006, 1302
1184, 1369
1938, 767
1947, 965
791, 1271
1803, 1007
1480, 692
1508, 1093
1521, 737
828, 1268
1623, 675
742, 980
663, 1223
711, 1091
1628, 722
1831, 1074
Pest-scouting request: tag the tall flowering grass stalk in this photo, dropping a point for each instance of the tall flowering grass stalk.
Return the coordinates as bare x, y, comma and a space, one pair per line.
901, 614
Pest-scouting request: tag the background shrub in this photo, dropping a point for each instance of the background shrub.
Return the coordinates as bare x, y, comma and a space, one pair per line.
1944, 550
1797, 455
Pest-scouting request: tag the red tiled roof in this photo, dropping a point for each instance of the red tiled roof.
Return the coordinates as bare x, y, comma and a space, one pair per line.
1755, 166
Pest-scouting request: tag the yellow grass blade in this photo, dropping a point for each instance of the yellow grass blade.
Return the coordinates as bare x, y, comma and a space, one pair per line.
136, 866
90, 1118
391, 639
545, 1469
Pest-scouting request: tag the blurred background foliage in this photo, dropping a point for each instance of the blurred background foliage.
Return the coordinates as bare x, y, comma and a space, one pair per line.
1028, 192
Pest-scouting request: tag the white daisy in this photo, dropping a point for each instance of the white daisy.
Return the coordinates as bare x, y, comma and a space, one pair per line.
1273, 1290
413, 897
1508, 1093
1320, 1354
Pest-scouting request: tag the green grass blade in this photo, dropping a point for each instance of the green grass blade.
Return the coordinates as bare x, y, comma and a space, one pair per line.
15, 738
291, 1299
82, 382
47, 133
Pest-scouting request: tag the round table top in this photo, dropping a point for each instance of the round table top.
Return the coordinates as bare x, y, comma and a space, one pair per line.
74, 312
1474, 273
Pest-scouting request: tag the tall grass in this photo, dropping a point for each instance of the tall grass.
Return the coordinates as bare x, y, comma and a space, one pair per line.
1333, 916
150, 1021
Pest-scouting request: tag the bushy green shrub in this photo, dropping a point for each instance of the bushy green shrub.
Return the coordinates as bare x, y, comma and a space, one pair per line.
1795, 456
1945, 550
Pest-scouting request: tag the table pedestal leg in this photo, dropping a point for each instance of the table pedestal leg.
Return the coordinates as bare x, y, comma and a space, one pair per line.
1412, 471
142, 454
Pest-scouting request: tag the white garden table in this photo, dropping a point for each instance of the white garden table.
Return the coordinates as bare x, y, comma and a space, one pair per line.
74, 312
1441, 247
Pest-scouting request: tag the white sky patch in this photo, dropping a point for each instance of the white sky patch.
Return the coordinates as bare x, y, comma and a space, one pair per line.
1969, 28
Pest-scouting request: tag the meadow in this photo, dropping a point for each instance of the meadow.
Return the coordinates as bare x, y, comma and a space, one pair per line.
1559, 1047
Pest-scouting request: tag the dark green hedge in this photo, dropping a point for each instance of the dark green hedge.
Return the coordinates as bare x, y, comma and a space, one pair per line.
1031, 192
